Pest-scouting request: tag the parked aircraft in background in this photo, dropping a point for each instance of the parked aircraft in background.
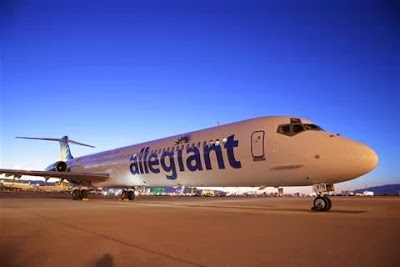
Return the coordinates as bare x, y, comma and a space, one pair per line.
272, 151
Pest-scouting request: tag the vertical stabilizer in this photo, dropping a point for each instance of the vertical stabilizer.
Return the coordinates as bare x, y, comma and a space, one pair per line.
65, 150
64, 145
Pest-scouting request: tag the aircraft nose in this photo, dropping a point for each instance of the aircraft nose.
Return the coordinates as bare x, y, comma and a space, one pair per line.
363, 157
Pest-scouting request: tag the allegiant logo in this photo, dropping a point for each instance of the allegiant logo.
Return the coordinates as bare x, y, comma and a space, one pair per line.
170, 163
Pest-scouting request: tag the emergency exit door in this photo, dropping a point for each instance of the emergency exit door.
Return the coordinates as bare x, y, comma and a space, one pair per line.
257, 145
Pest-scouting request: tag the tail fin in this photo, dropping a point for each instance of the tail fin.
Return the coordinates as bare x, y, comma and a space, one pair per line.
64, 145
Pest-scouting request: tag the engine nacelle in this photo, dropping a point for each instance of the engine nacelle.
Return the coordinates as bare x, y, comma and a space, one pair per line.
59, 166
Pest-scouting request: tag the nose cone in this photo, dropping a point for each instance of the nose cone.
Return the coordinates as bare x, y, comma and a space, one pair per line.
363, 158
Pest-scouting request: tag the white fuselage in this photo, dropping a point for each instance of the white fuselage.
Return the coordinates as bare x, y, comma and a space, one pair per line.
255, 152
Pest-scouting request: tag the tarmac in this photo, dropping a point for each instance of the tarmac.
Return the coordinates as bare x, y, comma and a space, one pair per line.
50, 229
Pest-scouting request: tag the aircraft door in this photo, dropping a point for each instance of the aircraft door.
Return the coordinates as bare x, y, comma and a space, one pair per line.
257, 145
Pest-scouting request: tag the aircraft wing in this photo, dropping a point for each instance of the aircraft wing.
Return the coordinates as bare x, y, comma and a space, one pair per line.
75, 176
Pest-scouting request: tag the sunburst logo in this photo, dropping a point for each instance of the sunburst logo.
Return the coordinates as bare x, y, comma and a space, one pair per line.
183, 139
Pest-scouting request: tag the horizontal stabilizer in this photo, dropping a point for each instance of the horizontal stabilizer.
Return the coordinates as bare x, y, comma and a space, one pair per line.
55, 139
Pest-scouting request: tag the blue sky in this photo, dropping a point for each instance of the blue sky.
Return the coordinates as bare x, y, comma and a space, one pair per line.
113, 73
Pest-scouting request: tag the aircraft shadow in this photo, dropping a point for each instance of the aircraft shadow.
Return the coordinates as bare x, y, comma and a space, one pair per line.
275, 209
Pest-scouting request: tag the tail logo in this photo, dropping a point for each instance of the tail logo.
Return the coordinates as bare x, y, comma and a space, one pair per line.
183, 139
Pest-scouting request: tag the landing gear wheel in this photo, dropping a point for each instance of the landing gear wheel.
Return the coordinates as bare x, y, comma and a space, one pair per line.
329, 203
84, 194
322, 203
76, 194
124, 194
131, 195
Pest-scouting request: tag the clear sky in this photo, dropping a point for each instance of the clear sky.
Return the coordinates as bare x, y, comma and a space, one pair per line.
114, 73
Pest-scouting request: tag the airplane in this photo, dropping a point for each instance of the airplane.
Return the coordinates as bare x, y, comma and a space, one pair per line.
266, 151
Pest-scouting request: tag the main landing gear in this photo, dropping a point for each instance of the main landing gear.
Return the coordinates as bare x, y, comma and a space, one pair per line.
80, 194
322, 202
128, 195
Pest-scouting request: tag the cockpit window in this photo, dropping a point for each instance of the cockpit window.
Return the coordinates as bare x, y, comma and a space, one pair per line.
297, 127
284, 129
313, 127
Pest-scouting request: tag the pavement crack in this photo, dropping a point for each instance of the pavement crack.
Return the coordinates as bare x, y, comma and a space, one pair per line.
121, 241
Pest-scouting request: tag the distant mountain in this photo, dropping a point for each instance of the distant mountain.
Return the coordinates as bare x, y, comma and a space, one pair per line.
389, 189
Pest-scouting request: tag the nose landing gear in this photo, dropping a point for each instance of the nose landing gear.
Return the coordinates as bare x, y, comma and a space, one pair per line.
322, 202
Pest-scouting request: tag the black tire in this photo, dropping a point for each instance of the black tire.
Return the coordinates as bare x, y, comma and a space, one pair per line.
320, 203
84, 193
329, 203
131, 195
123, 195
76, 194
